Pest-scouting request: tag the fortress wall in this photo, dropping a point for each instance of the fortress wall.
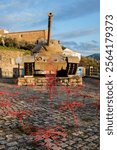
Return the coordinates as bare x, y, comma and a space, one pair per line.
29, 36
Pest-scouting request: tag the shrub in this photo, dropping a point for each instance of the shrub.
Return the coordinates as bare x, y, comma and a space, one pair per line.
25, 45
9, 42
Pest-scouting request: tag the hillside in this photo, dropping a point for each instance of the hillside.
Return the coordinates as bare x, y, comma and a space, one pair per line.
12, 49
88, 61
95, 56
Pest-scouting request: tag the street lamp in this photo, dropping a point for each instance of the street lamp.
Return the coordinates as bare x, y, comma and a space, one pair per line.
18, 61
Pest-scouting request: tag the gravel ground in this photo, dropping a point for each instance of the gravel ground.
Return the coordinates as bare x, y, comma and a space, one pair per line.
55, 118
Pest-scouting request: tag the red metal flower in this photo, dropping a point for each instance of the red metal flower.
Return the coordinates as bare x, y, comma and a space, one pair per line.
5, 104
71, 105
3, 92
51, 85
52, 132
19, 114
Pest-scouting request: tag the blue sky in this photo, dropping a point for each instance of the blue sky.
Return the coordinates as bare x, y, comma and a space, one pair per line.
76, 23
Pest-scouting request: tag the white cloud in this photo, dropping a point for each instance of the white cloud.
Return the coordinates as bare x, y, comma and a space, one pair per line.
84, 48
77, 33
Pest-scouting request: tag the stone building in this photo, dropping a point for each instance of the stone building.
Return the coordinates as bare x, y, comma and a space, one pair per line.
29, 36
8, 65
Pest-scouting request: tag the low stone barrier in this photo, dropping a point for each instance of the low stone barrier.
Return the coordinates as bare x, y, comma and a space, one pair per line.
42, 81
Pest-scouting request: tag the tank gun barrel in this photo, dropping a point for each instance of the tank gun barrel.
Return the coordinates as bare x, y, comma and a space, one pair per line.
50, 15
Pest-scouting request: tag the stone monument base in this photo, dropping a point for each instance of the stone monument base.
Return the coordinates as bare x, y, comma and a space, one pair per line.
43, 81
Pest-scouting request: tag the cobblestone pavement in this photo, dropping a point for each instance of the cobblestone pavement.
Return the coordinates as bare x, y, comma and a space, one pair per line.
34, 118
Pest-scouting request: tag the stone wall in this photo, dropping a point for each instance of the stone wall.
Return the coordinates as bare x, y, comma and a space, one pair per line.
42, 81
29, 36
8, 66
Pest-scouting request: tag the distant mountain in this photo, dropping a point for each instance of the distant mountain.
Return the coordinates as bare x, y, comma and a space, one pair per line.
95, 56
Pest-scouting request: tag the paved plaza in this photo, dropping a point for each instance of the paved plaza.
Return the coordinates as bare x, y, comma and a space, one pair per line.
50, 118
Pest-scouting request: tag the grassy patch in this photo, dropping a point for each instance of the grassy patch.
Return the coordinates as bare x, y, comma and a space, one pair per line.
26, 52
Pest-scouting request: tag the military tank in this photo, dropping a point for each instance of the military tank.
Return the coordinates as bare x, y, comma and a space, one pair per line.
48, 57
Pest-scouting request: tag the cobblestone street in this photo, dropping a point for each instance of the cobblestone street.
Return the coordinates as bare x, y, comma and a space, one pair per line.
39, 118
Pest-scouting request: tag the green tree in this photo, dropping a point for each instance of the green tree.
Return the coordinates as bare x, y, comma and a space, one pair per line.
85, 62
